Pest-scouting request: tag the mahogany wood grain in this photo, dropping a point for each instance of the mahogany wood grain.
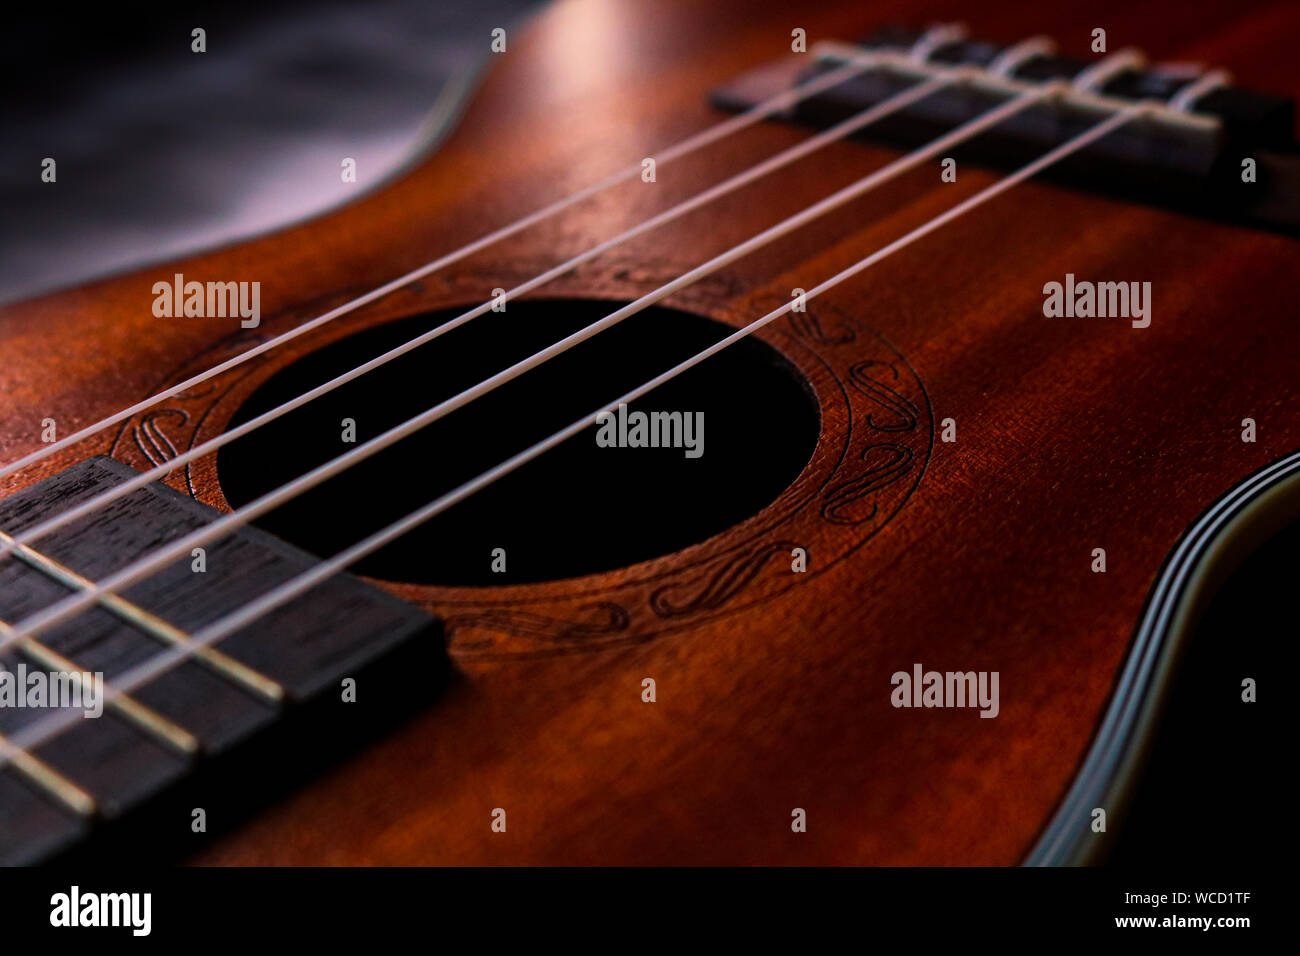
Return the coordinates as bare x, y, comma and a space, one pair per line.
1071, 435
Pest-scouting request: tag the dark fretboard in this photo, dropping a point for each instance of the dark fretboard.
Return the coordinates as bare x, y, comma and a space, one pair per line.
212, 706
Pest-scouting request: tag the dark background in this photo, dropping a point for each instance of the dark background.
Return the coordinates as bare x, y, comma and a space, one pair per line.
163, 152
1211, 791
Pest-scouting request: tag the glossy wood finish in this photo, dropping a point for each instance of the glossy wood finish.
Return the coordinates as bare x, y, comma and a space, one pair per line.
772, 694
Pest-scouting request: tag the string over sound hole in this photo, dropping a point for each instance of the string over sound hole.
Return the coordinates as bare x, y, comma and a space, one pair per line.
733, 433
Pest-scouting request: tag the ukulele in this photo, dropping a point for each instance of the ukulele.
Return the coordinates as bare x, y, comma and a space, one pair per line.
751, 435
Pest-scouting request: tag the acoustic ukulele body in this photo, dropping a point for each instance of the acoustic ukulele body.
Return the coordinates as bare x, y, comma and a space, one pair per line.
968, 456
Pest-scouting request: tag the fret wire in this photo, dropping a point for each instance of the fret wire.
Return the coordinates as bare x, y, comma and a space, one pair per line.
219, 661
146, 718
47, 778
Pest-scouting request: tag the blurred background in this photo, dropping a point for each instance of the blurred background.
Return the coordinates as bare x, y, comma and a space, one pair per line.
161, 151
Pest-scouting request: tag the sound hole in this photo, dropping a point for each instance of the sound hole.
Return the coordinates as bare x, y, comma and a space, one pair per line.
577, 509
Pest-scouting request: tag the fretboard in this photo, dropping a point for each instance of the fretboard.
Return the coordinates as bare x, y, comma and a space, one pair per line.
208, 709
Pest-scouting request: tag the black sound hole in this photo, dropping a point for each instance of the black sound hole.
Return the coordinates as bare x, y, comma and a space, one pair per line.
576, 509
